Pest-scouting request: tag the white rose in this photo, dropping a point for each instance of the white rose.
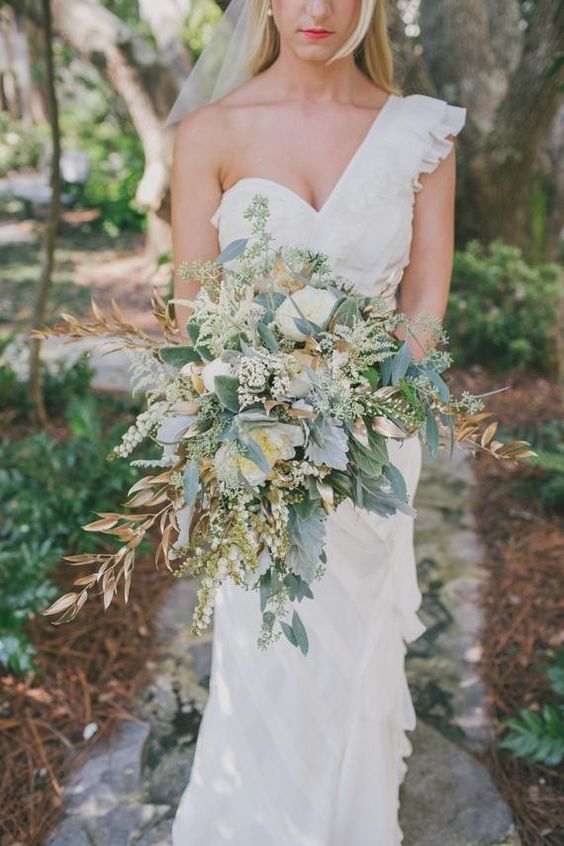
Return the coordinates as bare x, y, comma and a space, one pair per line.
277, 441
214, 368
227, 464
315, 304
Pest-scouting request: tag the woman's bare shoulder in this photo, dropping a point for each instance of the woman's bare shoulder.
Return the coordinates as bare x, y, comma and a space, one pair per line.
210, 127
201, 129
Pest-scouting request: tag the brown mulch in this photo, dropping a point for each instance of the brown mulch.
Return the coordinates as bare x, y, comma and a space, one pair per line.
88, 671
523, 602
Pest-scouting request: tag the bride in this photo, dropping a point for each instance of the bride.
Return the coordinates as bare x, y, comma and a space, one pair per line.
294, 99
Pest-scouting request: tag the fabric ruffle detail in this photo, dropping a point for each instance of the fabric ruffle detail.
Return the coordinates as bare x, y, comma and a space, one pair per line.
451, 123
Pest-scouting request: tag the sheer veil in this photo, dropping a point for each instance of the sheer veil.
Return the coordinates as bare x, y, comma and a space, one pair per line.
222, 65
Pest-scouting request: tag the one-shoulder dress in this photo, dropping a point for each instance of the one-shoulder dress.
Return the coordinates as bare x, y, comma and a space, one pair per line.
298, 750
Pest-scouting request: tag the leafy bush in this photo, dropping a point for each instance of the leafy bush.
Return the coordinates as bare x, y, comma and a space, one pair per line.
199, 24
539, 736
546, 486
117, 162
502, 311
61, 383
48, 490
20, 146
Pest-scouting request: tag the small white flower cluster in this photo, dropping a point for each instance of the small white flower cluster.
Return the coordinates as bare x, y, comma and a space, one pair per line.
177, 480
229, 565
295, 473
338, 397
175, 390
281, 367
232, 313
206, 602
255, 371
277, 538
167, 461
139, 430
440, 360
147, 374
469, 402
370, 344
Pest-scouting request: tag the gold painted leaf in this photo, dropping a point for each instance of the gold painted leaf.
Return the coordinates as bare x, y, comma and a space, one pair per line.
197, 382
270, 404
83, 558
98, 314
488, 433
386, 393
301, 412
61, 604
327, 495
385, 427
85, 580
141, 498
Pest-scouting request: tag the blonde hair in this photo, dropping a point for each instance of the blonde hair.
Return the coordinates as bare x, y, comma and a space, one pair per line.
369, 42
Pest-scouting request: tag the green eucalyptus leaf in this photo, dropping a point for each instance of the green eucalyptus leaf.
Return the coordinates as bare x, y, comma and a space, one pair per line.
267, 337
268, 619
193, 329
179, 355
400, 363
371, 374
191, 482
289, 632
300, 633
204, 352
432, 434
232, 250
252, 450
397, 481
226, 388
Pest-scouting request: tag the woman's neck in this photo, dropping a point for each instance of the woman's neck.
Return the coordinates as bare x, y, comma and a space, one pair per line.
297, 79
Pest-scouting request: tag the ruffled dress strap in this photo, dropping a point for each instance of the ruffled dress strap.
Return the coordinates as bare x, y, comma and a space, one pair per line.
425, 126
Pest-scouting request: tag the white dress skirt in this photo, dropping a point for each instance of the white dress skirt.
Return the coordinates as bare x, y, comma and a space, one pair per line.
298, 750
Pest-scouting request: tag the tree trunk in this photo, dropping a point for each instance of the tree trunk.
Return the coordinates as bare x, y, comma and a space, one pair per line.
166, 19
35, 388
15, 70
504, 172
148, 90
502, 76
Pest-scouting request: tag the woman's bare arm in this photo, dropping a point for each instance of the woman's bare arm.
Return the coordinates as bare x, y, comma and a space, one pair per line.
426, 281
195, 194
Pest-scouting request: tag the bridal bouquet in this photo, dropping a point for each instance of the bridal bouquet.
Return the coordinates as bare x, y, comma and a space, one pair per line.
280, 407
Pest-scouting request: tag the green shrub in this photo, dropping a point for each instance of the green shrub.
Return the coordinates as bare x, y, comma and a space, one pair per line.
117, 164
49, 489
551, 490
539, 735
547, 439
61, 383
98, 124
20, 146
199, 24
502, 311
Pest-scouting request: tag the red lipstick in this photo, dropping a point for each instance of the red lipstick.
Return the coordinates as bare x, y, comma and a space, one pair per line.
316, 33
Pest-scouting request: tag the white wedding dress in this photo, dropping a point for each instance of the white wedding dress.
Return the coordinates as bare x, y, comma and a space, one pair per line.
298, 750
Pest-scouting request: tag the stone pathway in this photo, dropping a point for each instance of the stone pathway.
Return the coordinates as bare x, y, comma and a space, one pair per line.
127, 791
